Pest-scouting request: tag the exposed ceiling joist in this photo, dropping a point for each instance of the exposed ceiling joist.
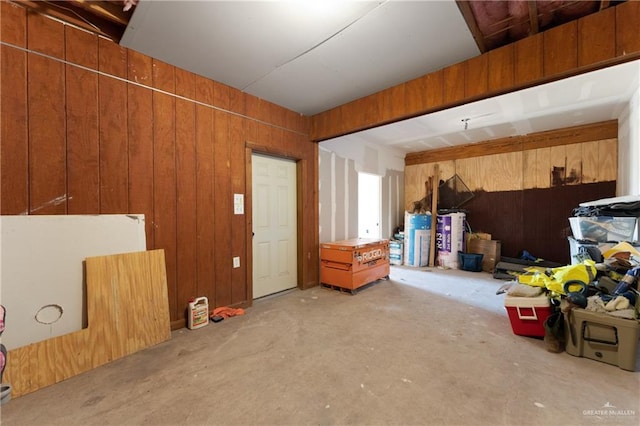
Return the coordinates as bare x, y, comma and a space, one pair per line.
111, 11
105, 18
470, 19
533, 17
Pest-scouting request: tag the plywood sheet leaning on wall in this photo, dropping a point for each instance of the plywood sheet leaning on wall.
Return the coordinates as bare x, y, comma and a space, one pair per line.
128, 310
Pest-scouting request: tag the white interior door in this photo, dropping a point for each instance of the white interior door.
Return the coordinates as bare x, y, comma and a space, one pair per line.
369, 187
274, 225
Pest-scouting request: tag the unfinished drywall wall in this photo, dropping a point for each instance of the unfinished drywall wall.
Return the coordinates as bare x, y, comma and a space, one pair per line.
629, 145
41, 278
392, 203
338, 195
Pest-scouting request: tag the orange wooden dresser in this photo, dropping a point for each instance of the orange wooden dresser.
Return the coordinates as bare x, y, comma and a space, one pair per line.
350, 264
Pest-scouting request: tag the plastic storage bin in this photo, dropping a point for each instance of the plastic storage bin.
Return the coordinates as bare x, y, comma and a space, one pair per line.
603, 337
527, 314
396, 252
470, 261
603, 228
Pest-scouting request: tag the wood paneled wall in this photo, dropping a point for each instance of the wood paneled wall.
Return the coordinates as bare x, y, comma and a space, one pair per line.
525, 187
89, 127
602, 39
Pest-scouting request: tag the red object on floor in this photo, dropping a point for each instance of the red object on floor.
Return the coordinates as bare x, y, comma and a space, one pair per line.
527, 314
226, 312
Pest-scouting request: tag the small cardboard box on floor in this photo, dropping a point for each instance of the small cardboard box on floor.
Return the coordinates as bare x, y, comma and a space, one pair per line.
603, 337
527, 314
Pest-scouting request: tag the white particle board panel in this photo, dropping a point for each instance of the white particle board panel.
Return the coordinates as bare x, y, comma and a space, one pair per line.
41, 269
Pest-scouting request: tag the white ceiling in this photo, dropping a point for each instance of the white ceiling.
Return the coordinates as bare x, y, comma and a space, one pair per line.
312, 55
305, 55
587, 98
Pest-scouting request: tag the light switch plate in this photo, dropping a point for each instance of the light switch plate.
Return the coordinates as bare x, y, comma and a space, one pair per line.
236, 262
238, 203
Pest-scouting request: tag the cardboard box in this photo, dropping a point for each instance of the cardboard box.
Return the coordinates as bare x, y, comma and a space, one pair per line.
603, 337
527, 314
490, 249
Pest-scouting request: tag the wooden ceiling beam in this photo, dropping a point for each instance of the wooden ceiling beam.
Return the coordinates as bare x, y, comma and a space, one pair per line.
109, 10
74, 16
470, 19
533, 17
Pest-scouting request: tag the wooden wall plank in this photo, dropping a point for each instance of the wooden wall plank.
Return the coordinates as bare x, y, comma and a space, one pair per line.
13, 24
112, 58
185, 84
14, 180
558, 165
140, 153
543, 178
596, 37
114, 173
164, 175
221, 97
360, 112
204, 90
477, 76
453, 83
164, 76
501, 68
222, 219
435, 89
237, 101
574, 164
560, 49
627, 34
45, 35
415, 95
205, 202
83, 151
83, 147
47, 148
471, 173
529, 59
164, 189
529, 169
186, 192
81, 47
238, 221
14, 146
608, 160
393, 102
590, 161
140, 68
252, 106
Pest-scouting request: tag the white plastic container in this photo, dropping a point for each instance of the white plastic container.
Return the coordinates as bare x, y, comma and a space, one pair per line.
198, 313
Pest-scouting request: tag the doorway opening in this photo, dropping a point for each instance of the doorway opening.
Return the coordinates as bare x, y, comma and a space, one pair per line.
369, 189
274, 225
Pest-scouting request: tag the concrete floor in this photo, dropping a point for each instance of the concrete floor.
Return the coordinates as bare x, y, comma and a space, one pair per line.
428, 347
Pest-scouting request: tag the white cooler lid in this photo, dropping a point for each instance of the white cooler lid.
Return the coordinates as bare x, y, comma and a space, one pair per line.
527, 302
